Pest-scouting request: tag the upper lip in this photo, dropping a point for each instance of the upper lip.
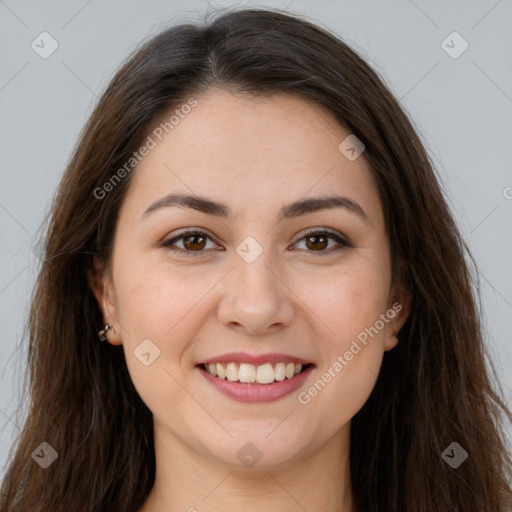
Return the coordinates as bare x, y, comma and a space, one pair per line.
256, 360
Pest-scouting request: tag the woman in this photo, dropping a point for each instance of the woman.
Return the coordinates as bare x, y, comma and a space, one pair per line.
254, 296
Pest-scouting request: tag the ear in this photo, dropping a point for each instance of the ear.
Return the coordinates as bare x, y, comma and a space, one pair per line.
400, 303
100, 281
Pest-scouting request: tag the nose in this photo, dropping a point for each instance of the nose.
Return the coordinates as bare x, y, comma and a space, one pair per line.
256, 298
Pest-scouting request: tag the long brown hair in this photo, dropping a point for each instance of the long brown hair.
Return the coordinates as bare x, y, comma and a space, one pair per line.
434, 388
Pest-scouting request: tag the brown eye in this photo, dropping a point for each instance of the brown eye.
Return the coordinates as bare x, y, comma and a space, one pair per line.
318, 241
192, 242
315, 242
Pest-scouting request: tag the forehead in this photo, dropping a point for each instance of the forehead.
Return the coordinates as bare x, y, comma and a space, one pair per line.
252, 150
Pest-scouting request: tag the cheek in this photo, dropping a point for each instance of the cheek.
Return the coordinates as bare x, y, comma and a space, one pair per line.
345, 301
347, 306
165, 304
158, 308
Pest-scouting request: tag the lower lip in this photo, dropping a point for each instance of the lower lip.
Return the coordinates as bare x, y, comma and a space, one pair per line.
257, 393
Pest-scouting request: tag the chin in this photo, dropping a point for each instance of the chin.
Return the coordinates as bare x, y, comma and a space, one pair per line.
256, 451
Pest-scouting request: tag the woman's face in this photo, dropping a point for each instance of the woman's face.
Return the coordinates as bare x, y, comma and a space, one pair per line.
253, 286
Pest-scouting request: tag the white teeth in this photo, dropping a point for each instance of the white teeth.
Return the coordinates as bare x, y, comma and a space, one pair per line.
221, 372
232, 372
279, 372
289, 370
265, 374
248, 373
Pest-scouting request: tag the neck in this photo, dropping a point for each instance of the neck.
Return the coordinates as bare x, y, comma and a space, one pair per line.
188, 481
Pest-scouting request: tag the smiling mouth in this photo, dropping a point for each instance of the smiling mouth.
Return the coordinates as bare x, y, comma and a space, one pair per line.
251, 374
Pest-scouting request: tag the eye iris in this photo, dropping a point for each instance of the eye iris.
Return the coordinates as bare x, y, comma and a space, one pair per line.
320, 246
194, 237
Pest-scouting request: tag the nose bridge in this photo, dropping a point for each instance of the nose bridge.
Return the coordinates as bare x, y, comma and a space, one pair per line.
253, 268
256, 298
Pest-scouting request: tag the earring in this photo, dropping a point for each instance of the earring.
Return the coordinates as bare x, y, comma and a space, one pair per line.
395, 333
103, 332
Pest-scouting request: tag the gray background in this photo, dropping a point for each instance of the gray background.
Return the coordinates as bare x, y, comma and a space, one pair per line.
462, 108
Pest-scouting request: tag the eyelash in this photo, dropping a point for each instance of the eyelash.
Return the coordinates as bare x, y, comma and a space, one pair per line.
343, 243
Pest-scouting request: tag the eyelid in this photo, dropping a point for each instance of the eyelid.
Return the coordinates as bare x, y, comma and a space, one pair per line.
341, 240
167, 243
320, 230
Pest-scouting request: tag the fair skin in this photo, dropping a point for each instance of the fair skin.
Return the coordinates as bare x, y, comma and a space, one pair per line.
255, 155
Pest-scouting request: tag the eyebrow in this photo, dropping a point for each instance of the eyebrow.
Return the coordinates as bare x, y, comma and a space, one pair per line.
293, 210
